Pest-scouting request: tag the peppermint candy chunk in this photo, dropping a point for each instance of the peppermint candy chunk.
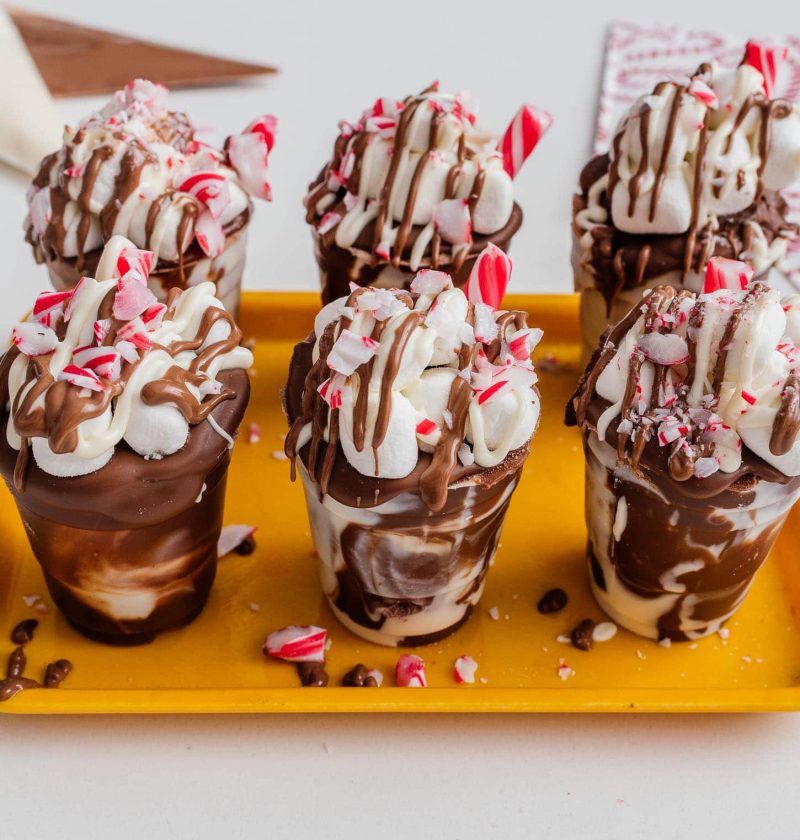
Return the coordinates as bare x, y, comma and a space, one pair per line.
209, 234
430, 282
671, 430
489, 277
380, 303
135, 332
132, 297
410, 672
81, 378
766, 60
664, 348
464, 670
704, 467
722, 273
726, 442
297, 643
232, 536
328, 222
34, 339
452, 220
128, 351
210, 189
248, 154
523, 342
106, 362
48, 305
350, 351
426, 427
153, 316
485, 327
524, 132
100, 329
332, 390
134, 260
703, 92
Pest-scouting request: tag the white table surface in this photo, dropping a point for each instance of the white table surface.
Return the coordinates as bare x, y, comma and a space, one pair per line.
394, 777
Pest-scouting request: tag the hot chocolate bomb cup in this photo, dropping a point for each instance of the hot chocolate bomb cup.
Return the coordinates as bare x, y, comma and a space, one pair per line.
136, 169
411, 415
414, 184
118, 414
705, 182
690, 412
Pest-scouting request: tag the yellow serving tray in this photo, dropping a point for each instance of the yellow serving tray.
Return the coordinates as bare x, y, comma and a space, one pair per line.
216, 665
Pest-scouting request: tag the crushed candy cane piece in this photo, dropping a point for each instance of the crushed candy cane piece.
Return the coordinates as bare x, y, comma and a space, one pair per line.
211, 189
521, 137
350, 351
209, 234
485, 326
489, 277
410, 672
464, 670
33, 339
132, 298
722, 273
564, 671
248, 154
48, 304
134, 260
430, 282
766, 60
465, 455
494, 613
703, 92
426, 427
81, 378
106, 362
232, 536
254, 433
297, 643
328, 222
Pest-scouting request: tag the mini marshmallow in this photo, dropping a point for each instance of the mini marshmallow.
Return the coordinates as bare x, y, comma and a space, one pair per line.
156, 430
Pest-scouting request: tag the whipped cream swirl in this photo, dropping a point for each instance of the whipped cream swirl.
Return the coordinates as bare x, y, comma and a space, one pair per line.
106, 363
397, 373
419, 171
705, 376
690, 152
136, 169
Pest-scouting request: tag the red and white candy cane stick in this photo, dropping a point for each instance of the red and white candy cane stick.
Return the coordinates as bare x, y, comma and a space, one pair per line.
722, 273
527, 128
766, 60
489, 277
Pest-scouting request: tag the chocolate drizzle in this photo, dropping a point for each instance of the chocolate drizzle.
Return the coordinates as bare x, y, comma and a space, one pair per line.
371, 237
306, 406
625, 260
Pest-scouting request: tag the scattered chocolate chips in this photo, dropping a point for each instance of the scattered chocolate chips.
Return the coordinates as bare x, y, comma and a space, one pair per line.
312, 674
582, 635
246, 546
16, 663
23, 632
553, 601
56, 673
359, 676
14, 681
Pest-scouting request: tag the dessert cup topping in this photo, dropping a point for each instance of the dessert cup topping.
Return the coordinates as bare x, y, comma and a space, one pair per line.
696, 150
704, 375
396, 373
420, 164
136, 168
766, 60
104, 364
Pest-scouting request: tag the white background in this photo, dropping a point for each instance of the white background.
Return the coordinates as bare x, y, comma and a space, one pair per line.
392, 777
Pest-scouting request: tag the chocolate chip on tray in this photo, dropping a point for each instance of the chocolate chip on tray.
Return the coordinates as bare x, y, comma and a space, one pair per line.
582, 635
312, 674
553, 601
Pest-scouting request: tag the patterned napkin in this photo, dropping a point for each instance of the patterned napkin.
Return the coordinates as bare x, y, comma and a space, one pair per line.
638, 57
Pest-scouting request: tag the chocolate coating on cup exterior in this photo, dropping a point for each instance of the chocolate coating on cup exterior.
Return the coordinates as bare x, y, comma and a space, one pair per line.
146, 525
672, 555
339, 267
424, 557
